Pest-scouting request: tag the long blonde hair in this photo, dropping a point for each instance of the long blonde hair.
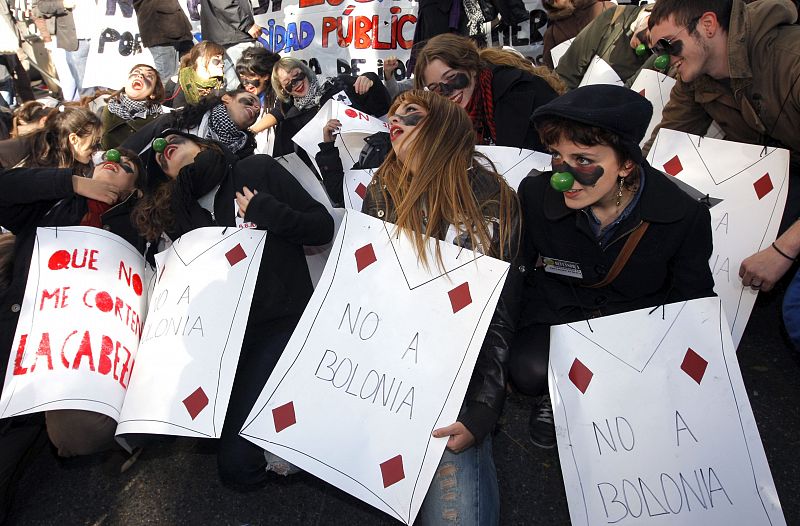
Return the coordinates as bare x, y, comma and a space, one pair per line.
462, 53
440, 189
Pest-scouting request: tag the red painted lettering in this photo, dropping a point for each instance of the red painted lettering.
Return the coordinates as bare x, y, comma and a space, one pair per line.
104, 360
363, 27
43, 350
18, 369
84, 349
64, 360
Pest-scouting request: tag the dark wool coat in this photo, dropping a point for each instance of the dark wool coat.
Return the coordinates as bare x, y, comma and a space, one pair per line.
669, 264
161, 22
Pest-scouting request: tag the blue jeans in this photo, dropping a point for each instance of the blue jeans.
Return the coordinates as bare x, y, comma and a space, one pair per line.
791, 310
76, 60
464, 489
165, 59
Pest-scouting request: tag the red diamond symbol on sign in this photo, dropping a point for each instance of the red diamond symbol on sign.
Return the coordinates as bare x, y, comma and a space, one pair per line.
763, 186
460, 297
694, 365
580, 375
673, 166
361, 190
283, 416
365, 256
392, 471
196, 402
235, 255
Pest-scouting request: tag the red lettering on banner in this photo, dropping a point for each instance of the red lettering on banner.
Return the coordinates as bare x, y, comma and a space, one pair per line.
64, 360
132, 279
59, 259
63, 259
43, 350
363, 27
328, 26
311, 3
363, 32
84, 349
18, 369
104, 360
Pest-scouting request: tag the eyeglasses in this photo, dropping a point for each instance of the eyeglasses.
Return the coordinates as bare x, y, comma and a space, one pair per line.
672, 46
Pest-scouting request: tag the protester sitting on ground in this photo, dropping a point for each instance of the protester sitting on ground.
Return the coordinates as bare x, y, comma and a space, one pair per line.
29, 117
738, 65
225, 119
203, 180
200, 75
498, 88
255, 72
606, 233
614, 36
47, 195
301, 94
567, 18
132, 107
432, 181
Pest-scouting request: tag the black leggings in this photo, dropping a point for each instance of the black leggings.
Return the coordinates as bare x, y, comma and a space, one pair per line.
528, 359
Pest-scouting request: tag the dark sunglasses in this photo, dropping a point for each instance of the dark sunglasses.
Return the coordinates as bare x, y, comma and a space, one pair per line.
296, 81
672, 46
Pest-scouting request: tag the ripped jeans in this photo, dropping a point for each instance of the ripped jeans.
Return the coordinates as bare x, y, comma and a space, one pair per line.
464, 489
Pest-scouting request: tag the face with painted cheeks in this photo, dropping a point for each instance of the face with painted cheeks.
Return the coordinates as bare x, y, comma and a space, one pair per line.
403, 127
243, 109
595, 168
294, 82
123, 174
213, 67
457, 85
141, 83
179, 152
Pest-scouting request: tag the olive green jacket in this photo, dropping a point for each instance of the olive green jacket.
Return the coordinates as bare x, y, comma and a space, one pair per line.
117, 129
608, 37
760, 103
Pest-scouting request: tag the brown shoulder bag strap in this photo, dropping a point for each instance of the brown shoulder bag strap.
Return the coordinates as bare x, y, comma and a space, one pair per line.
622, 257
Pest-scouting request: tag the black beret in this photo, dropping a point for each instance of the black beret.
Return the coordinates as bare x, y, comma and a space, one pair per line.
609, 107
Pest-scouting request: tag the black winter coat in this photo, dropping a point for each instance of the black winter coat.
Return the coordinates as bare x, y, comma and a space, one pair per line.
34, 197
669, 264
283, 208
516, 94
162, 22
375, 102
226, 21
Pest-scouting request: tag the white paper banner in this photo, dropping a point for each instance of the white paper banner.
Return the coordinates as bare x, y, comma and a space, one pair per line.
655, 87
752, 184
79, 324
193, 335
599, 72
558, 51
656, 427
515, 163
373, 369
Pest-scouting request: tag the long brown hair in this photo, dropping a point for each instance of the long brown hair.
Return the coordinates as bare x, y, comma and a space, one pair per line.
439, 191
51, 146
463, 53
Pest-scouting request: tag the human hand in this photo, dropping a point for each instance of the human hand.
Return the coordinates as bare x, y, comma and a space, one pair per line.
761, 270
362, 85
460, 437
243, 200
102, 191
330, 129
389, 65
254, 31
641, 34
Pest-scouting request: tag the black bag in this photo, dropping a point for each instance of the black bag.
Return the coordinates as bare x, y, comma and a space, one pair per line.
375, 151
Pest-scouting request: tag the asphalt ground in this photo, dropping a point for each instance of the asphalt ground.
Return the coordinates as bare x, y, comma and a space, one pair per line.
176, 482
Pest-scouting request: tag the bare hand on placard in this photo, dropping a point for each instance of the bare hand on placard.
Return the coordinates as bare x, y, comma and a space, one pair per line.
331, 128
460, 437
243, 199
362, 85
102, 191
762, 269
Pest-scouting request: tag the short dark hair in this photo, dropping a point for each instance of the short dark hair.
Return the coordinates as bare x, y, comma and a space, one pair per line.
688, 12
256, 61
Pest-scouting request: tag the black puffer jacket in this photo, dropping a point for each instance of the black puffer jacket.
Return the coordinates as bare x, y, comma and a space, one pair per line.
486, 393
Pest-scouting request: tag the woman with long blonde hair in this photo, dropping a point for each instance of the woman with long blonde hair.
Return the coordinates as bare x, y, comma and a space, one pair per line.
499, 88
434, 185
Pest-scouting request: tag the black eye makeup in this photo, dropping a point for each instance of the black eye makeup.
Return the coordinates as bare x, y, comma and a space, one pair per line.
296, 81
410, 119
458, 81
586, 175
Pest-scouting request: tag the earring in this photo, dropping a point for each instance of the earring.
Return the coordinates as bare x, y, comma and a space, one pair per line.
620, 182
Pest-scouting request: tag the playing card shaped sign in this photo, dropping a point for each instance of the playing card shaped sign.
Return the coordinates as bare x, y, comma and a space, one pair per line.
198, 310
655, 87
599, 72
515, 163
79, 324
752, 184
559, 51
672, 443
376, 364
355, 184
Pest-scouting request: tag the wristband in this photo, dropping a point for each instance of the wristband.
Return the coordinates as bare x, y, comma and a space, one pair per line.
782, 253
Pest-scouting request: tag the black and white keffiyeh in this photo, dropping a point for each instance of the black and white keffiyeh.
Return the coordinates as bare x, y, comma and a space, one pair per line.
474, 13
313, 95
221, 128
127, 109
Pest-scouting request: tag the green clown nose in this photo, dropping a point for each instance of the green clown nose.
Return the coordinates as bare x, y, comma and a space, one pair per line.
641, 50
159, 145
662, 62
562, 181
113, 155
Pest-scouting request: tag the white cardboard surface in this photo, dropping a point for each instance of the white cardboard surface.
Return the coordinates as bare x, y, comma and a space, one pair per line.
599, 72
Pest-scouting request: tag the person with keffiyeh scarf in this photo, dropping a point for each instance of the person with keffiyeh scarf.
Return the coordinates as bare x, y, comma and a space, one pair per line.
132, 107
223, 119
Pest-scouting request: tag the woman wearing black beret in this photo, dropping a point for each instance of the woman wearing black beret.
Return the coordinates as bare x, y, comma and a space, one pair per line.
604, 232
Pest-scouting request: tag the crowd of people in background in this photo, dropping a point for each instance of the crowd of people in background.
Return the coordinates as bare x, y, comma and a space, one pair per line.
200, 128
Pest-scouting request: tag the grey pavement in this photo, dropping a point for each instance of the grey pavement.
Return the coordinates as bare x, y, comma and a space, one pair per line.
176, 482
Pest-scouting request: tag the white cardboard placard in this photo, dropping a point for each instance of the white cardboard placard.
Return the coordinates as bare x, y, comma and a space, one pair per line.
79, 324
372, 370
193, 334
515, 163
599, 72
558, 51
752, 183
655, 87
659, 431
